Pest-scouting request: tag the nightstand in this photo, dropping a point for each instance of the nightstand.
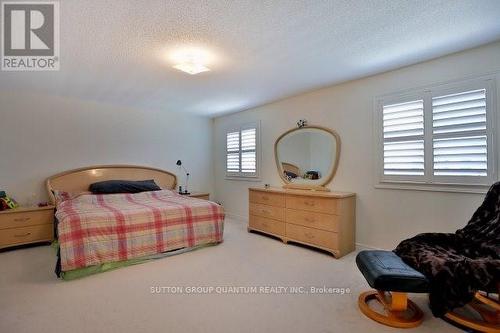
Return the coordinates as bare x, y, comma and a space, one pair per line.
26, 225
200, 195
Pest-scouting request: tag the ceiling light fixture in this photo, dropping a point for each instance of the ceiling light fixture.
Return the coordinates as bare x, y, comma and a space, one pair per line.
191, 68
191, 60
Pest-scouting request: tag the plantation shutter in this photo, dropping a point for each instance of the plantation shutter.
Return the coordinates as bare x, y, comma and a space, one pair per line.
403, 138
248, 151
459, 134
241, 152
233, 152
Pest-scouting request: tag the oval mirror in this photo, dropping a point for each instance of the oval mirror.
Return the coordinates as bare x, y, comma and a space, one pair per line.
307, 157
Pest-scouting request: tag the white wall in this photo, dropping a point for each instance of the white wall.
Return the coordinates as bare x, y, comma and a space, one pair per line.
323, 150
384, 217
295, 149
43, 135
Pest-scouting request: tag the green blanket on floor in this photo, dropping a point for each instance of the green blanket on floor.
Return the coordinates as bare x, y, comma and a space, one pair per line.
91, 270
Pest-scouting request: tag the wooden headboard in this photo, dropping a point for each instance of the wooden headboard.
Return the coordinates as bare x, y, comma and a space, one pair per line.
78, 180
291, 168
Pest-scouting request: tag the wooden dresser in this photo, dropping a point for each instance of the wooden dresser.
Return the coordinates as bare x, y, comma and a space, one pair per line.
325, 220
26, 225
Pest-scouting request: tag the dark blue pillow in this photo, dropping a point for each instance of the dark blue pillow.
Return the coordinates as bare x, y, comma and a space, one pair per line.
123, 186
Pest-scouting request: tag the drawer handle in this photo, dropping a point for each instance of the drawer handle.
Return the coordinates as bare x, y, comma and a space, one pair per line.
265, 211
265, 198
22, 219
307, 219
309, 235
23, 235
307, 203
265, 225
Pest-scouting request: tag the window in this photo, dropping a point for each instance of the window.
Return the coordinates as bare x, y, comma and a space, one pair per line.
242, 151
442, 135
459, 134
404, 138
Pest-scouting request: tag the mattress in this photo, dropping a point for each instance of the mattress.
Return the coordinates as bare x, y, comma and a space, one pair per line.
96, 229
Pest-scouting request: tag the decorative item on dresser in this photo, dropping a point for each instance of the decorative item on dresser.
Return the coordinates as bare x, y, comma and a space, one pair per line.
325, 220
200, 195
26, 225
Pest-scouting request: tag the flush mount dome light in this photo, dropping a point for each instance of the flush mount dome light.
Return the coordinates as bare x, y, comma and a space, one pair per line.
191, 60
191, 67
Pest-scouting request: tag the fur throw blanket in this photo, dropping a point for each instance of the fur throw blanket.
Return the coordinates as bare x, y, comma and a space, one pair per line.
462, 263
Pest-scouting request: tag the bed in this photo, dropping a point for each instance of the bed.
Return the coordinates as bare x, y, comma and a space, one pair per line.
99, 232
294, 174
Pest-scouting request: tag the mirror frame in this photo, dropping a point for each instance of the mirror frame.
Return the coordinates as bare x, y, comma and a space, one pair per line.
321, 186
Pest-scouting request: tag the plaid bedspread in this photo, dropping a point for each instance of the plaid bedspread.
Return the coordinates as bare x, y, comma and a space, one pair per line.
96, 229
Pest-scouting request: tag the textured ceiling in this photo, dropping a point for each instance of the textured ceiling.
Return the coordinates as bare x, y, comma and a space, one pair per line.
113, 51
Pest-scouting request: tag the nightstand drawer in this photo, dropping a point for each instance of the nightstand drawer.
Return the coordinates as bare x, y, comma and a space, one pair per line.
13, 219
200, 195
25, 235
204, 197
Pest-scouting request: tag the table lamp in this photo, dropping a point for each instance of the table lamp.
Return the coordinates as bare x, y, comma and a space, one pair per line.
185, 191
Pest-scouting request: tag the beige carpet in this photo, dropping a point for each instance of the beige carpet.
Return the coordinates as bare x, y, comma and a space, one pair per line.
33, 300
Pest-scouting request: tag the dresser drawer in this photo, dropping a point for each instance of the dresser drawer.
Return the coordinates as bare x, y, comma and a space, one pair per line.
312, 236
313, 204
24, 235
267, 225
267, 198
272, 212
12, 219
313, 220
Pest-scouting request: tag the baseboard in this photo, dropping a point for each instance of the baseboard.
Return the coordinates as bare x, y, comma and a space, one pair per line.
237, 217
368, 247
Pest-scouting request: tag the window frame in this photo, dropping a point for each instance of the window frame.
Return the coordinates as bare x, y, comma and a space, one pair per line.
429, 181
240, 175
